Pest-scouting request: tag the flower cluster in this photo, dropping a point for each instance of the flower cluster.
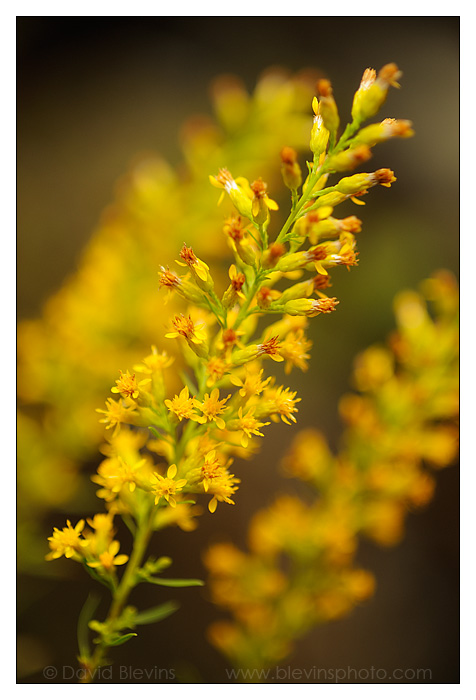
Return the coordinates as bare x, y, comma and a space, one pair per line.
175, 431
301, 569
104, 316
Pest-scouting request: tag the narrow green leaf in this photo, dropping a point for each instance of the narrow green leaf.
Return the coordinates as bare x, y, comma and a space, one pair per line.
97, 577
87, 611
176, 582
155, 432
188, 383
159, 612
121, 640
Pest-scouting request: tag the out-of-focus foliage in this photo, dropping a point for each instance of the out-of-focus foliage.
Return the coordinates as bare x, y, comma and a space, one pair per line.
301, 568
109, 313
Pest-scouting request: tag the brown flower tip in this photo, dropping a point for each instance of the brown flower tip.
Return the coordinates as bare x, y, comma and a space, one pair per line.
265, 297
351, 224
321, 282
270, 347
188, 256
324, 87
234, 228
229, 337
326, 306
274, 252
258, 188
384, 177
318, 253
168, 279
184, 325
288, 155
389, 74
238, 281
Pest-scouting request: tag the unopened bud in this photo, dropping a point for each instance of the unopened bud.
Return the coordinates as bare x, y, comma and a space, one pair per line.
388, 129
373, 90
310, 307
266, 296
297, 291
290, 168
272, 254
319, 133
328, 107
350, 159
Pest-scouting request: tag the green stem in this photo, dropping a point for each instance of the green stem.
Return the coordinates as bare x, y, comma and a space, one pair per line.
127, 583
244, 309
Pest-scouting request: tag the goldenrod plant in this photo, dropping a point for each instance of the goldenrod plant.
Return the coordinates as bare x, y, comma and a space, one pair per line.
301, 569
179, 417
108, 313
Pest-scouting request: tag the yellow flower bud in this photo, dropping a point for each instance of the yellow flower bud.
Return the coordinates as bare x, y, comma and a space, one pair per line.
349, 159
328, 107
290, 169
319, 133
389, 128
373, 90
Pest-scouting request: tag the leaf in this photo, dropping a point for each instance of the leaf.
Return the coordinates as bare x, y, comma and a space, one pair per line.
121, 640
87, 611
176, 582
155, 432
97, 577
188, 383
157, 613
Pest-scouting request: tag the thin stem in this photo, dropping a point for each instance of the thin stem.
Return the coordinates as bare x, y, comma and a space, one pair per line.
127, 583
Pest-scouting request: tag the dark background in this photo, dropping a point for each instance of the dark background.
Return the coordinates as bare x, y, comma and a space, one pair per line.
94, 91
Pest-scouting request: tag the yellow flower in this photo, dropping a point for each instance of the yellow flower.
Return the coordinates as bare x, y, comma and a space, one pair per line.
216, 368
99, 540
212, 407
210, 470
166, 486
194, 333
182, 406
294, 350
319, 133
217, 480
128, 386
238, 190
67, 542
248, 424
233, 293
279, 401
261, 202
116, 413
199, 269
154, 362
272, 348
373, 91
114, 473
185, 327
110, 558
252, 384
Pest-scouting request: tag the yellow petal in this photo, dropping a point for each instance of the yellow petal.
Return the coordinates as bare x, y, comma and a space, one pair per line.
201, 272
271, 204
358, 201
121, 559
171, 471
212, 506
214, 182
319, 267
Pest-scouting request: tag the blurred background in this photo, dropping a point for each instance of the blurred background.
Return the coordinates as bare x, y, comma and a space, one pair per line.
92, 93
